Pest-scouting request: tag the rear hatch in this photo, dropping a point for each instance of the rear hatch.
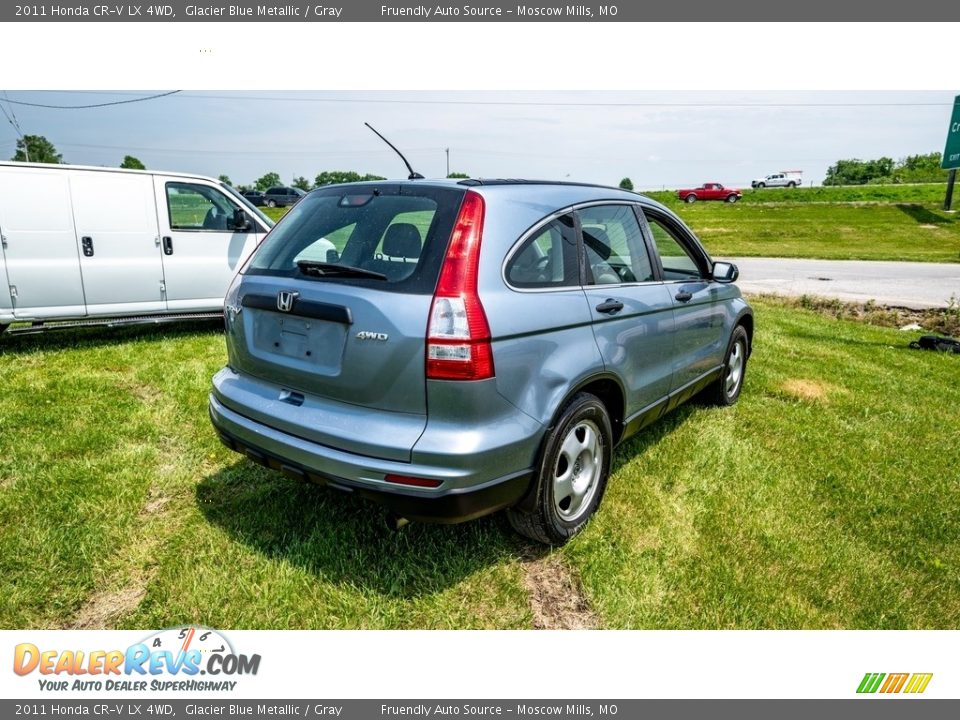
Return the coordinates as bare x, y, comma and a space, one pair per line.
333, 314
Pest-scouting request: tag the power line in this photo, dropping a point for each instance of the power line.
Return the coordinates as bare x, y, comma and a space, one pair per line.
95, 105
224, 151
186, 95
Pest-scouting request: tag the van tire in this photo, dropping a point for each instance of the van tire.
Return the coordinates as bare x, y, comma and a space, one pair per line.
271, 203
721, 392
583, 428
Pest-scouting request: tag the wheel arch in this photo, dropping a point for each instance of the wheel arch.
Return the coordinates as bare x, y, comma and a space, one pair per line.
604, 386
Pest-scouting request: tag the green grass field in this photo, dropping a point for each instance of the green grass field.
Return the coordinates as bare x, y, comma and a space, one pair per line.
827, 498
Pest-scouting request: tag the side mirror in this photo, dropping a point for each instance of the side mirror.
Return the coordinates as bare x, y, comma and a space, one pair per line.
725, 272
241, 223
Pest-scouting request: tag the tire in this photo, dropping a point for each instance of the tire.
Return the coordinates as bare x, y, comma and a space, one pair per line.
725, 391
732, 198
574, 462
271, 203
761, 185
791, 184
690, 199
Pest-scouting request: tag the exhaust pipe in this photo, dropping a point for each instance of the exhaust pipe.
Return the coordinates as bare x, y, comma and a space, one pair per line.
396, 523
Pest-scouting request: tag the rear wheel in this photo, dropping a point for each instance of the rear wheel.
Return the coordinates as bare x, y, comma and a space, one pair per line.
690, 198
572, 474
726, 389
271, 203
732, 198
791, 184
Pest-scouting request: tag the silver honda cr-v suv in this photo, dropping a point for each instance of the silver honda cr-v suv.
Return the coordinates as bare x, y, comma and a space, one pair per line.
454, 348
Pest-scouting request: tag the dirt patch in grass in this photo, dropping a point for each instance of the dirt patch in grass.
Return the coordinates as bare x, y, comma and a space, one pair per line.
102, 609
556, 597
808, 389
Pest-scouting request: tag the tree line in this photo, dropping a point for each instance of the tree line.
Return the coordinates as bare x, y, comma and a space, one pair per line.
887, 171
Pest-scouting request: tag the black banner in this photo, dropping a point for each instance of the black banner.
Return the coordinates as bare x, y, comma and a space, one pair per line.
148, 709
482, 11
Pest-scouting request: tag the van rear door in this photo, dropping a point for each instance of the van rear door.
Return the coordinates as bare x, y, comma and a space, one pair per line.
116, 223
202, 251
39, 244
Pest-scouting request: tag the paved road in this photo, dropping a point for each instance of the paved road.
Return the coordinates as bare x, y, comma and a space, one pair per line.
903, 284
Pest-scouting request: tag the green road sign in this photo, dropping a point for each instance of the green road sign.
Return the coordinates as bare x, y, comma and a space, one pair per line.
951, 153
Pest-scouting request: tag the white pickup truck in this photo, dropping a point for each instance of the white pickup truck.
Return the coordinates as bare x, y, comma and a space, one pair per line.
785, 178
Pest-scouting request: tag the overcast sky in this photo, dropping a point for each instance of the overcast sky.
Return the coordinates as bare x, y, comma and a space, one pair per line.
657, 139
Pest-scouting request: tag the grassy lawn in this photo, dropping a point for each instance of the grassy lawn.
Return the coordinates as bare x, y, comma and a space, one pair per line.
871, 222
826, 498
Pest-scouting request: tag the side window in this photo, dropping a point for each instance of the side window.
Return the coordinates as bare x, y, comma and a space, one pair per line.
548, 258
198, 207
613, 245
678, 263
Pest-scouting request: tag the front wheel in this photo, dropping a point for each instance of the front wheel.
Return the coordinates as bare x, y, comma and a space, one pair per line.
726, 389
732, 198
271, 203
761, 185
690, 199
572, 474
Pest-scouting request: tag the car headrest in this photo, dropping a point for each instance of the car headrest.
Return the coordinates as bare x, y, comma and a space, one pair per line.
596, 239
402, 240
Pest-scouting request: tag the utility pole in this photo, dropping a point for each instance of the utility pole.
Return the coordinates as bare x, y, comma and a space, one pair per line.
447, 150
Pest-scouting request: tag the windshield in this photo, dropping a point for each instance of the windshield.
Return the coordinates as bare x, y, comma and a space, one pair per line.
389, 236
249, 207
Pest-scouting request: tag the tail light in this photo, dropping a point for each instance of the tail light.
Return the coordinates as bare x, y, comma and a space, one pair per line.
458, 336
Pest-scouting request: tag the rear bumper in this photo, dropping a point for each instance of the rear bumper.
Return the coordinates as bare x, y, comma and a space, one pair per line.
458, 499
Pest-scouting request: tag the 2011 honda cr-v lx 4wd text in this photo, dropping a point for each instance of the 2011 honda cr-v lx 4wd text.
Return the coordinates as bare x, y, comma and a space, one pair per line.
454, 348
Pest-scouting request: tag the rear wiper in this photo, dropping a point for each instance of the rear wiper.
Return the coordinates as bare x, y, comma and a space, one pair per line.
315, 267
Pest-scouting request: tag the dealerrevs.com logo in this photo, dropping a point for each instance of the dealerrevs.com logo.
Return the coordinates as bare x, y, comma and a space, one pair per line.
180, 659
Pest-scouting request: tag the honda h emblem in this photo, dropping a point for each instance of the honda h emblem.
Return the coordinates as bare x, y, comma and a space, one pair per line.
285, 300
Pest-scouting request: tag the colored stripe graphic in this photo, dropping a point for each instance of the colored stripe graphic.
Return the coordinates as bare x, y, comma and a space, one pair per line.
894, 683
870, 682
918, 683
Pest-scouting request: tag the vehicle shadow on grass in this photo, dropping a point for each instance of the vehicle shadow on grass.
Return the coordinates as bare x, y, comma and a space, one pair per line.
89, 337
344, 539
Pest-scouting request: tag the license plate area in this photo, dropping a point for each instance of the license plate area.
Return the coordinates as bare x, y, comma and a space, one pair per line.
307, 341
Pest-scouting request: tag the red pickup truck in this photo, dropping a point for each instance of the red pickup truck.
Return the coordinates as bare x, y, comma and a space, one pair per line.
710, 191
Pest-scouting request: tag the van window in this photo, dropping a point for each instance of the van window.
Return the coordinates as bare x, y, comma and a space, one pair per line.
198, 207
397, 232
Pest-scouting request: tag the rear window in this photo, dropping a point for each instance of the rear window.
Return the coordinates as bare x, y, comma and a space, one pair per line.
399, 232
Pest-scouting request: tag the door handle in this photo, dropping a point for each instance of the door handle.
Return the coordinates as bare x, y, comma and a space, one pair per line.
684, 296
87, 244
610, 306
167, 245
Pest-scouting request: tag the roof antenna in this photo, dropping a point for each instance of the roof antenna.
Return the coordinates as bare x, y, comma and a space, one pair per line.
414, 175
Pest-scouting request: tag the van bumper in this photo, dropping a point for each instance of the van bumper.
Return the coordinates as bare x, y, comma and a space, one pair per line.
457, 499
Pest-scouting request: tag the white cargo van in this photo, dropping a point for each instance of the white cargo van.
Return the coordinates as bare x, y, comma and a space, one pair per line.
84, 243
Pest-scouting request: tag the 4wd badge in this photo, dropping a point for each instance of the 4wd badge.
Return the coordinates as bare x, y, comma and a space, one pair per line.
367, 335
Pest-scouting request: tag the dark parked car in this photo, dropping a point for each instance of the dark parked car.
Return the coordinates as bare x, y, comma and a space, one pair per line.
282, 196
454, 348
255, 197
